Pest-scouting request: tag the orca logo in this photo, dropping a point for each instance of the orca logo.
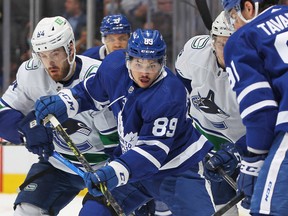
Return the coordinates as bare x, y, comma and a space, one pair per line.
31, 187
211, 111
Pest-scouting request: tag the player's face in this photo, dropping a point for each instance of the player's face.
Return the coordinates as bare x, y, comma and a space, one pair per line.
55, 63
219, 44
116, 41
144, 71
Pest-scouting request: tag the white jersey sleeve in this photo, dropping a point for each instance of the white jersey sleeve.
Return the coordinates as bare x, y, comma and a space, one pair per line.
91, 131
31, 82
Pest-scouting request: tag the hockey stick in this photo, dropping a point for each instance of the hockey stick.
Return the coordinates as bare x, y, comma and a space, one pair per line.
67, 163
230, 204
107, 194
205, 13
235, 199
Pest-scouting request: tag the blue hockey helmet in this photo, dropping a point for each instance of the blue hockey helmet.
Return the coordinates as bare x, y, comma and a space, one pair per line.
115, 24
146, 44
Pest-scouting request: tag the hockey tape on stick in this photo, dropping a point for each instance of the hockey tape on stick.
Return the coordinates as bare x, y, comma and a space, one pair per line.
67, 163
107, 194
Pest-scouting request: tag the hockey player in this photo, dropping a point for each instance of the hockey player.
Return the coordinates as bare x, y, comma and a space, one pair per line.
200, 65
160, 152
115, 31
256, 60
50, 186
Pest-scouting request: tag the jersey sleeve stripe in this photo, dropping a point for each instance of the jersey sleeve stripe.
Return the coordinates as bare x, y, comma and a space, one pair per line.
185, 155
251, 88
154, 142
282, 117
257, 106
148, 156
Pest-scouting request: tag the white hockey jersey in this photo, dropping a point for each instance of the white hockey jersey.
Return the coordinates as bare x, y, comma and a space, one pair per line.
214, 108
86, 129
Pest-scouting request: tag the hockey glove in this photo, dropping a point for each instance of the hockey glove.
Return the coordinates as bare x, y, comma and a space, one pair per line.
249, 170
62, 106
38, 138
226, 158
113, 175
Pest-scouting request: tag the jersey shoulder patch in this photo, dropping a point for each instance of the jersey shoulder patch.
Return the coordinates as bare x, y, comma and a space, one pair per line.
32, 64
199, 42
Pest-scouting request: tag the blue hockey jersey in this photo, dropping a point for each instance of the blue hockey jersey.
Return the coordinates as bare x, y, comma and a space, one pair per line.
156, 135
98, 52
256, 59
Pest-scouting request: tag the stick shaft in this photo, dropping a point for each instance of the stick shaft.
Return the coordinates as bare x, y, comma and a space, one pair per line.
230, 204
235, 199
67, 163
107, 194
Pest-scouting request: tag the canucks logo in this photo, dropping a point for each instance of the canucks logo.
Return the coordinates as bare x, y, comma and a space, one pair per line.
31, 187
211, 111
74, 126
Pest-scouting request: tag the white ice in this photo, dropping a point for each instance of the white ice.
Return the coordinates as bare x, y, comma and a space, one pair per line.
6, 205
72, 209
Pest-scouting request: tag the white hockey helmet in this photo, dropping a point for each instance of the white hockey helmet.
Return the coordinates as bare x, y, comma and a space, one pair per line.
52, 33
220, 27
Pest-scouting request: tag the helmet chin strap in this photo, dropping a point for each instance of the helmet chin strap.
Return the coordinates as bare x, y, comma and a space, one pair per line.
71, 63
129, 70
106, 48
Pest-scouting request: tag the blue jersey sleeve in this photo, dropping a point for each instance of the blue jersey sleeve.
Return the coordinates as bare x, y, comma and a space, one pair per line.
9, 118
248, 78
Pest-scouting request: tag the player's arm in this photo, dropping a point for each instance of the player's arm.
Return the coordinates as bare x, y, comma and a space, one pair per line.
89, 94
258, 109
14, 105
257, 104
9, 118
155, 140
145, 151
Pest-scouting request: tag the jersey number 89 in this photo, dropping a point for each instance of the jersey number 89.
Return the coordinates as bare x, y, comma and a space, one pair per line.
164, 126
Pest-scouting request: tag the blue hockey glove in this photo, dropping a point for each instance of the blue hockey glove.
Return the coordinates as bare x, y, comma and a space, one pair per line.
249, 170
226, 158
37, 137
62, 106
113, 175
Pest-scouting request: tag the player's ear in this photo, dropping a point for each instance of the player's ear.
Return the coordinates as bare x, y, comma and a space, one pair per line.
71, 49
249, 9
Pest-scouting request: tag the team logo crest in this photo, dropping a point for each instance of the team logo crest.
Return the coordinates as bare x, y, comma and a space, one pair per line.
31, 187
211, 111
127, 141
